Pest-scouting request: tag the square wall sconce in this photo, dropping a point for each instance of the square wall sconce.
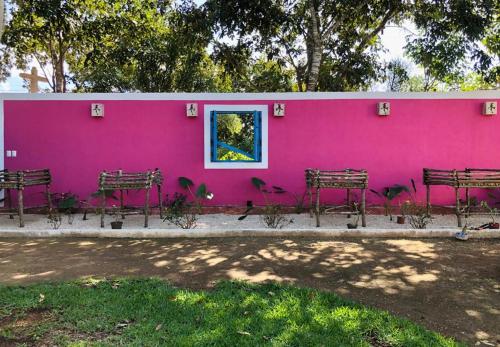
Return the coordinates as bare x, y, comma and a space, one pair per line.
384, 108
97, 110
490, 108
279, 110
192, 110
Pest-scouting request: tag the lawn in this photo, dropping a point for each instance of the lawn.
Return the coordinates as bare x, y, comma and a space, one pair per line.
151, 312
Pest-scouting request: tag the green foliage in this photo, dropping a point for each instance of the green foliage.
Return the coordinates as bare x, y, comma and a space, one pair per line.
492, 211
258, 183
394, 191
171, 46
272, 215
181, 212
135, 312
397, 75
417, 213
449, 39
185, 182
238, 131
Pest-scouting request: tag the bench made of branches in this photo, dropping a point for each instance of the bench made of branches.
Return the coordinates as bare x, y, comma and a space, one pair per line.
337, 179
465, 179
19, 181
124, 181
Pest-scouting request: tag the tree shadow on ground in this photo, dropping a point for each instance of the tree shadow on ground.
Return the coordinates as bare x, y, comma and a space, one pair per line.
450, 287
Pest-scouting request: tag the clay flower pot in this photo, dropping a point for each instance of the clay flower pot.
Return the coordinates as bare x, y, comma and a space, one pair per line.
116, 225
400, 220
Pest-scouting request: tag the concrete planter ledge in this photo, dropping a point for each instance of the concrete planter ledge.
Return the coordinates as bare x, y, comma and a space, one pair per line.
260, 232
227, 225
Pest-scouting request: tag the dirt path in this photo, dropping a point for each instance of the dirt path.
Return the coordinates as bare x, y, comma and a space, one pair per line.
445, 285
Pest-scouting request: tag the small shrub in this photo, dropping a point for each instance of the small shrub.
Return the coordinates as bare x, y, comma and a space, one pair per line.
274, 218
183, 213
179, 212
418, 216
54, 219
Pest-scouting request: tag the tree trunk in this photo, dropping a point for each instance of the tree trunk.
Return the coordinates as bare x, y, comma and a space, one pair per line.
60, 79
316, 51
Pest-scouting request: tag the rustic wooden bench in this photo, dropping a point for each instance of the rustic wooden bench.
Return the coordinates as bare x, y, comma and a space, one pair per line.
347, 179
124, 181
19, 181
465, 179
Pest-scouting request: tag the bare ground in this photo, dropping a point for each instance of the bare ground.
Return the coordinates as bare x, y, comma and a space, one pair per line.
449, 286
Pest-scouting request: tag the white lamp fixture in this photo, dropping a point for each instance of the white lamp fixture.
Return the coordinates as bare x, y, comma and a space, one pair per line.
192, 110
97, 110
279, 110
490, 108
384, 108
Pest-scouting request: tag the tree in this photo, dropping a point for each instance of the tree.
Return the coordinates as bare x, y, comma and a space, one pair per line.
308, 35
397, 75
334, 45
114, 45
46, 32
151, 50
449, 39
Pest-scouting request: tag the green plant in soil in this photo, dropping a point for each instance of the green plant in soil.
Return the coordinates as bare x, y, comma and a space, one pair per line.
150, 312
492, 211
183, 213
389, 194
273, 215
418, 216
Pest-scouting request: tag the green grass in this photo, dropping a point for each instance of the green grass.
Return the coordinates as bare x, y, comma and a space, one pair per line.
153, 313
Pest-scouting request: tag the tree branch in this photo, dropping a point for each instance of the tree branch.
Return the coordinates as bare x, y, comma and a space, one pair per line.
376, 31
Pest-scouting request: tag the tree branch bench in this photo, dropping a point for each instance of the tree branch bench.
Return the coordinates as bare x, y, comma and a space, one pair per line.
347, 179
124, 181
19, 181
466, 179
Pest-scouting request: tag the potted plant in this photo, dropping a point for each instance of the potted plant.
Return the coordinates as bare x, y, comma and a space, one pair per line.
404, 208
389, 194
492, 212
117, 223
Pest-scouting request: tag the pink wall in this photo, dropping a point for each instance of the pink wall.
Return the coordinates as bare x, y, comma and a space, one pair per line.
329, 134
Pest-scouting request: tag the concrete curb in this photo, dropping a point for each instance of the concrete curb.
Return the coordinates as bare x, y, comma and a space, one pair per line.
260, 232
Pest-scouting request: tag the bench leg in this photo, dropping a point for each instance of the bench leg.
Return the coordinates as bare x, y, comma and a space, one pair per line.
9, 202
146, 209
103, 207
348, 201
457, 202
49, 197
310, 196
467, 201
160, 202
121, 203
363, 207
317, 208
428, 199
20, 207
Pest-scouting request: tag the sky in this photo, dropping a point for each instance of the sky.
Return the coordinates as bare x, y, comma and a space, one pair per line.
393, 39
